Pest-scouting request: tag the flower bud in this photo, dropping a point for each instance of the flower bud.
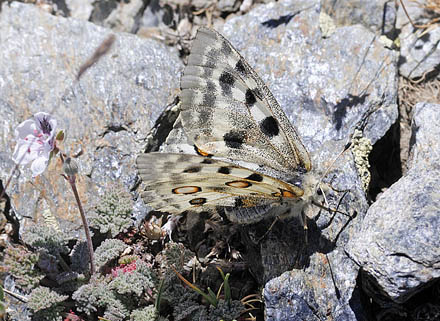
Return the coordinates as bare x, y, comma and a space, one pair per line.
70, 167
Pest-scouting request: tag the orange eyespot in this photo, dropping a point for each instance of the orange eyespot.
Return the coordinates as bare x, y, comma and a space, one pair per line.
239, 184
201, 152
186, 190
286, 193
198, 201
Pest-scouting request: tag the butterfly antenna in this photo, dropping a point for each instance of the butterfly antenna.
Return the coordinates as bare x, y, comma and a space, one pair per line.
268, 230
347, 147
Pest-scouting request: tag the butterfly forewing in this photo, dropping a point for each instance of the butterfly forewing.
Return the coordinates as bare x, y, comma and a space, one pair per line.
228, 111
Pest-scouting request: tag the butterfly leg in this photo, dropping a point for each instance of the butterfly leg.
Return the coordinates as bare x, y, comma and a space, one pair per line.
303, 219
269, 229
336, 211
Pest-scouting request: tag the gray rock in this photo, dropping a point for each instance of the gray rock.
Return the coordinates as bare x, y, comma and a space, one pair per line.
228, 5
419, 52
80, 9
126, 16
327, 87
300, 295
153, 15
378, 15
350, 77
118, 15
398, 246
107, 114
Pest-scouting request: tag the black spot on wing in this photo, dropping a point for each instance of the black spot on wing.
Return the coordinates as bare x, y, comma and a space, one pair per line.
226, 49
218, 189
209, 97
224, 170
269, 126
206, 118
234, 139
194, 169
250, 97
226, 82
240, 67
238, 202
213, 56
255, 177
207, 161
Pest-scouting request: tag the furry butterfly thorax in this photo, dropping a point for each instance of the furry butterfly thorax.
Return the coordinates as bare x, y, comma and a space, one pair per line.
249, 161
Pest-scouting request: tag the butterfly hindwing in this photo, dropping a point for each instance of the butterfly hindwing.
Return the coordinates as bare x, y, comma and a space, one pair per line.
228, 111
178, 182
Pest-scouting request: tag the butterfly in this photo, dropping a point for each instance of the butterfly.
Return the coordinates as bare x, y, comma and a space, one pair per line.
249, 161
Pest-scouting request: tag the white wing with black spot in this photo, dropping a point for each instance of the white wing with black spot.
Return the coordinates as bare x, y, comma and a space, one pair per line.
228, 111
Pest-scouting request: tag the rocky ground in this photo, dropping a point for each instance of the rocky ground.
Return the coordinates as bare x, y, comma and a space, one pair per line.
364, 72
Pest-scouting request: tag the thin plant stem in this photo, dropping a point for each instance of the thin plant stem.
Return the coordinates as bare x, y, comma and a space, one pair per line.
71, 179
3, 192
17, 296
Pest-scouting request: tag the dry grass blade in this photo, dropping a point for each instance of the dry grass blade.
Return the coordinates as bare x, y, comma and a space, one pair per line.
103, 48
432, 6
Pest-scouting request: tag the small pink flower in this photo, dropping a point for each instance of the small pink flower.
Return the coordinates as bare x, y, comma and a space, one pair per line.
130, 267
35, 140
123, 268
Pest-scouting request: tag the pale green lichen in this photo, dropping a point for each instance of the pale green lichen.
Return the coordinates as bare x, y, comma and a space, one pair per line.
112, 215
109, 250
46, 304
118, 293
21, 264
148, 313
361, 148
134, 282
326, 24
97, 294
47, 238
